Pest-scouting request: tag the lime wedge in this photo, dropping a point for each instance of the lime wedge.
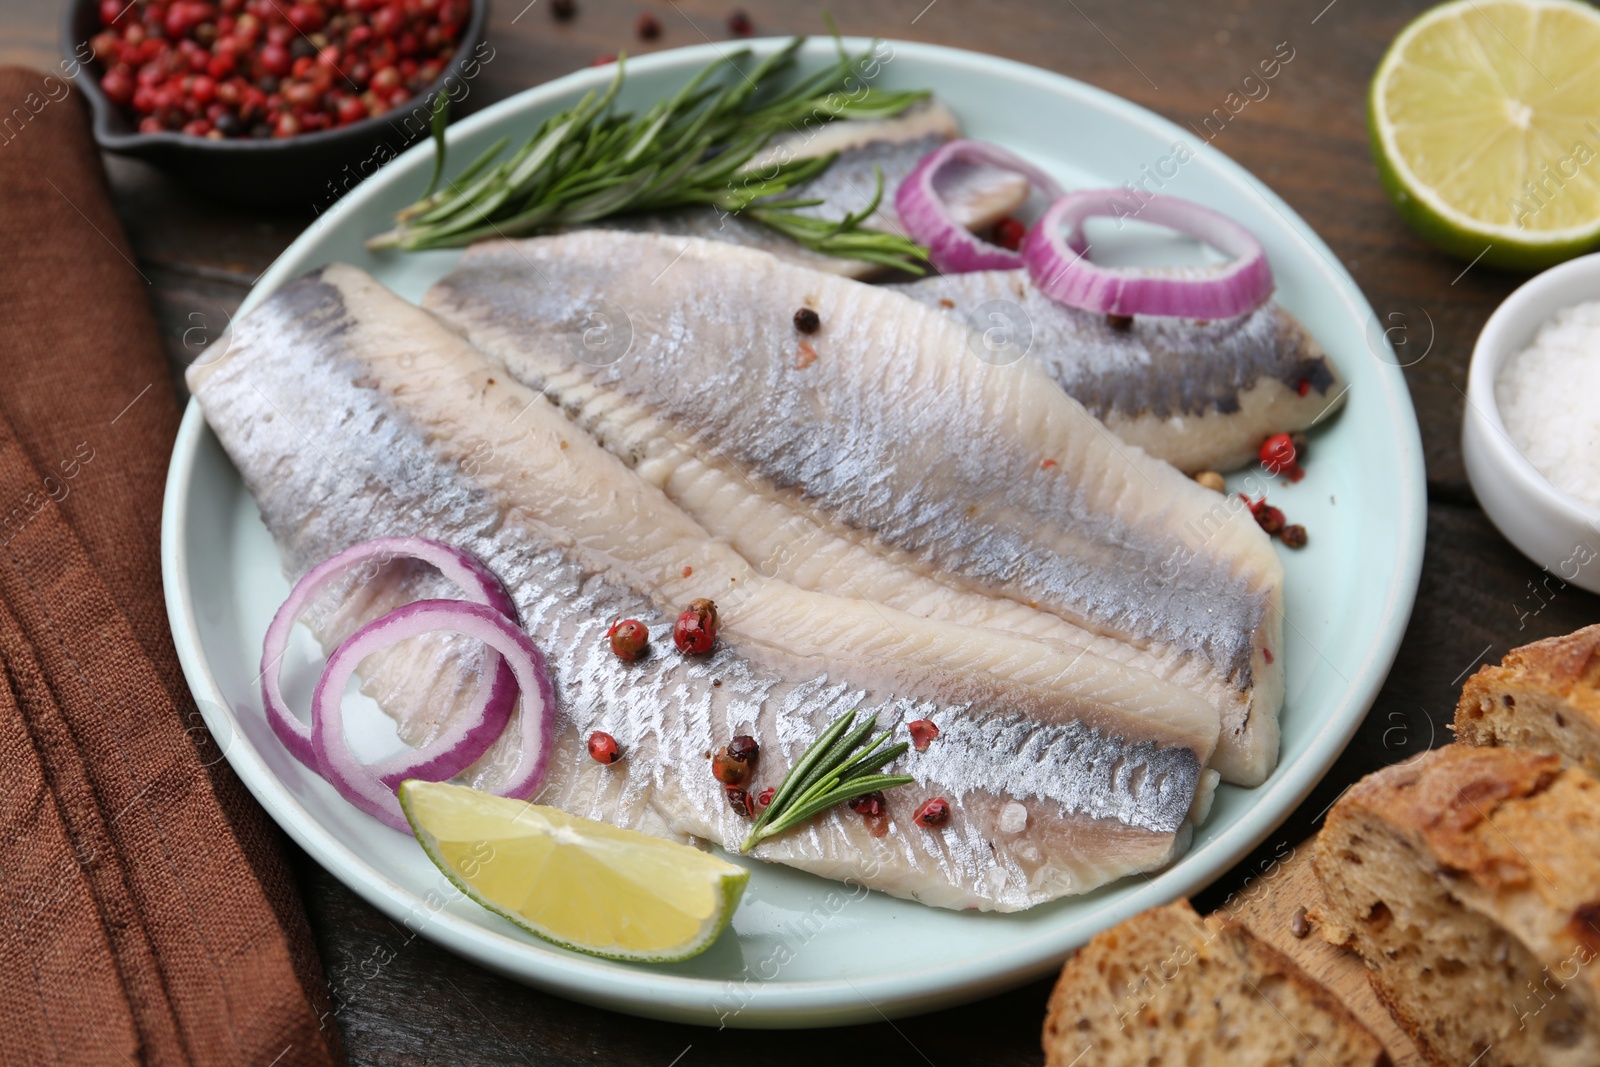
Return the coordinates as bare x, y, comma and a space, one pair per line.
1485, 121
580, 883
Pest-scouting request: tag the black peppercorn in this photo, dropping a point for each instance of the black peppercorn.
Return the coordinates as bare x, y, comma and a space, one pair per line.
744, 748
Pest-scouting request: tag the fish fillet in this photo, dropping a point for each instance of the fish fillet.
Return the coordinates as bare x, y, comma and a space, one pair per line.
351, 414
924, 119
1202, 396
891, 146
882, 458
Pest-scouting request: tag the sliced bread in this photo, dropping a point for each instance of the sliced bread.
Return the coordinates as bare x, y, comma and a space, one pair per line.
1469, 881
1544, 697
1167, 987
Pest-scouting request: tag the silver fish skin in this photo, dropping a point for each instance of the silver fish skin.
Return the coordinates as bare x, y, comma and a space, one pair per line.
884, 458
352, 414
976, 195
865, 148
894, 146
1200, 395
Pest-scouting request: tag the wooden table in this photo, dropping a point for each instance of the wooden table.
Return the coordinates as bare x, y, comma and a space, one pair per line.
404, 1001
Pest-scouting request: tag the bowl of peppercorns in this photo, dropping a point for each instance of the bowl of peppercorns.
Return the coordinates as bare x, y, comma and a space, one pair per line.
272, 101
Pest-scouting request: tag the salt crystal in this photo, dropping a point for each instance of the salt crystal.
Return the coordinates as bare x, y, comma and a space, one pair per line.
1013, 818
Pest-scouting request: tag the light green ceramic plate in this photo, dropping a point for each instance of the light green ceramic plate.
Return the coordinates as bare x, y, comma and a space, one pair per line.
803, 951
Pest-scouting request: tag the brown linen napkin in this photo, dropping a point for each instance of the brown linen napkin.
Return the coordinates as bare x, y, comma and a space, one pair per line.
148, 916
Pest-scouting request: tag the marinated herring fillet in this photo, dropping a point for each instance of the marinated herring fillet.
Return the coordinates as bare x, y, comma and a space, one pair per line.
1200, 395
866, 148
352, 414
880, 458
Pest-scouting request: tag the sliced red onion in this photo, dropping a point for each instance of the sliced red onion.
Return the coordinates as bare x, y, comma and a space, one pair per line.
1056, 253
444, 756
952, 247
359, 783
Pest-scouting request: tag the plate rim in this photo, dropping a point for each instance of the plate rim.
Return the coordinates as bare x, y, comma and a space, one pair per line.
813, 1002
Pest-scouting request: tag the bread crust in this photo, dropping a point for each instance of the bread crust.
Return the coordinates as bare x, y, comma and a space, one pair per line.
1544, 696
1568, 665
1509, 839
1446, 796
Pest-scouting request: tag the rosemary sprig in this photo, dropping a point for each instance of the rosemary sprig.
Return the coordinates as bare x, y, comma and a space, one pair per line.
436, 127
830, 772
591, 162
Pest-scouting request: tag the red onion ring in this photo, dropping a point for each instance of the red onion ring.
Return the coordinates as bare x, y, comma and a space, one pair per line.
952, 247
1055, 251
359, 783
445, 756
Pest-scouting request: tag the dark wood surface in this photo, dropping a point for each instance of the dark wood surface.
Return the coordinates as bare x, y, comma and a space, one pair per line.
405, 1001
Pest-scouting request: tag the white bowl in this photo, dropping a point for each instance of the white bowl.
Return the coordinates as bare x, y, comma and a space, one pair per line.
1554, 530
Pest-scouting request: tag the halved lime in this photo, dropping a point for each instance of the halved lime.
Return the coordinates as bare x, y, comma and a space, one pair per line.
1485, 121
580, 883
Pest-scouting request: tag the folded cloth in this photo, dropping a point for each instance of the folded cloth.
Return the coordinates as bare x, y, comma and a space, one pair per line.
148, 914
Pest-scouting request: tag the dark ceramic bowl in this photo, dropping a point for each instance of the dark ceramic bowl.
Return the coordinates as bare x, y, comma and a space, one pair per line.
312, 169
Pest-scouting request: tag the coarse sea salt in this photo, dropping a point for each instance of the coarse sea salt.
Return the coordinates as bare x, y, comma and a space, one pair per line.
1013, 818
1549, 399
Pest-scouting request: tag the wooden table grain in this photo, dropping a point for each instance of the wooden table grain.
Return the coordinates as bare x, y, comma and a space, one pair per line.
402, 1000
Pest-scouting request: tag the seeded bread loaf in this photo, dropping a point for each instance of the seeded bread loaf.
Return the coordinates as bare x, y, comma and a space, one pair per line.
1167, 987
1469, 882
1544, 696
